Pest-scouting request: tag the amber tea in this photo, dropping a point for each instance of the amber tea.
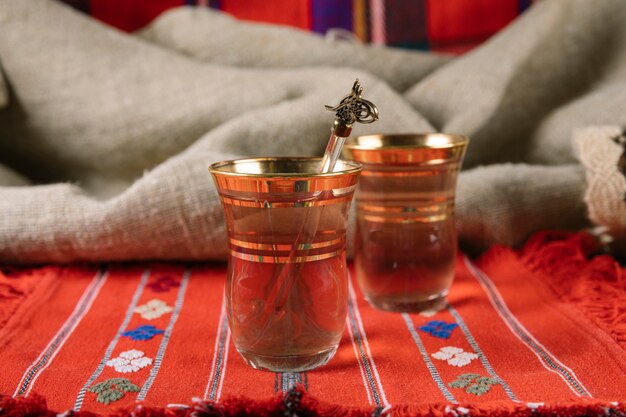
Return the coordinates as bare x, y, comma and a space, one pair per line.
286, 288
406, 242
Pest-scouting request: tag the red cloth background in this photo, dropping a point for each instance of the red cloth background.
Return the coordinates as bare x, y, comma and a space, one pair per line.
439, 25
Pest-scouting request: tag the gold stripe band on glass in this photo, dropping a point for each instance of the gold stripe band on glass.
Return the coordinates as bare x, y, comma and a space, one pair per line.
416, 173
431, 208
284, 204
403, 219
286, 247
268, 259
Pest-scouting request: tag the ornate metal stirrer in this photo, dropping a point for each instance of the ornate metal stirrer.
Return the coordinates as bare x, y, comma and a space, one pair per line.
352, 108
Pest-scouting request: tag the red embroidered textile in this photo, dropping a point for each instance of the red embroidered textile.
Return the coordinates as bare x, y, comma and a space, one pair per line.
541, 331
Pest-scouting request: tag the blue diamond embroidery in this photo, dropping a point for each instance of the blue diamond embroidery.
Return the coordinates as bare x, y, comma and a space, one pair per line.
438, 328
145, 332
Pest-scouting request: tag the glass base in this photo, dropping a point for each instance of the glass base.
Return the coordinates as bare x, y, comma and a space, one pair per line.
404, 304
287, 363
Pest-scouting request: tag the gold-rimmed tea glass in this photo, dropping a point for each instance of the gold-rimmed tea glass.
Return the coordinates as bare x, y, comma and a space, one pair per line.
286, 288
406, 241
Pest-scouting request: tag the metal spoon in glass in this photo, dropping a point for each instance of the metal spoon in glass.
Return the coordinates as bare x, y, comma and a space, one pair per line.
352, 108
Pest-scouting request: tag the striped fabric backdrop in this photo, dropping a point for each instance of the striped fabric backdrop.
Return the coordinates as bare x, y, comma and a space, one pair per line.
523, 333
440, 25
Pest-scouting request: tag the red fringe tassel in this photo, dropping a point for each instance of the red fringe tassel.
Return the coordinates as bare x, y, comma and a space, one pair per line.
309, 407
572, 266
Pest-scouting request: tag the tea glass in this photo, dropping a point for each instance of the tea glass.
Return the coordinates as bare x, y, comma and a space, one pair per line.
406, 240
287, 283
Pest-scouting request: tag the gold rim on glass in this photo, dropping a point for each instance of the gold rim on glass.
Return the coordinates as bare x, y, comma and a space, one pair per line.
266, 167
281, 176
418, 148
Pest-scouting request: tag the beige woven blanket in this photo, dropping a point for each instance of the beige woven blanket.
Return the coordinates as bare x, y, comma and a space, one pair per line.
105, 137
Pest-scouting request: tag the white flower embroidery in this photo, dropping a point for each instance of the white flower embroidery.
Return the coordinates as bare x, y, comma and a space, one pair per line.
129, 361
153, 309
462, 359
446, 353
455, 356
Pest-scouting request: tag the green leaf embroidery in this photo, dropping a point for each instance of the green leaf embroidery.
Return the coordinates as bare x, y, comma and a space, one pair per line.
476, 384
463, 380
109, 396
113, 389
459, 383
486, 381
126, 385
477, 389
98, 388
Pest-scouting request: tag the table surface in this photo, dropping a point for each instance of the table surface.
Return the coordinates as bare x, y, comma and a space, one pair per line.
517, 336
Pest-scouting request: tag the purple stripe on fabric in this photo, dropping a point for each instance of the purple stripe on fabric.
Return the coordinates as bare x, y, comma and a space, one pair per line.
523, 5
406, 23
329, 14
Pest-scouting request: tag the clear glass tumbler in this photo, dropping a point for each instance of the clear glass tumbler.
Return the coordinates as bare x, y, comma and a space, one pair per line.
406, 239
286, 289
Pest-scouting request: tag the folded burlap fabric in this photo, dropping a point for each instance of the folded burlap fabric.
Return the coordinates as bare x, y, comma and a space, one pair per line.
117, 130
